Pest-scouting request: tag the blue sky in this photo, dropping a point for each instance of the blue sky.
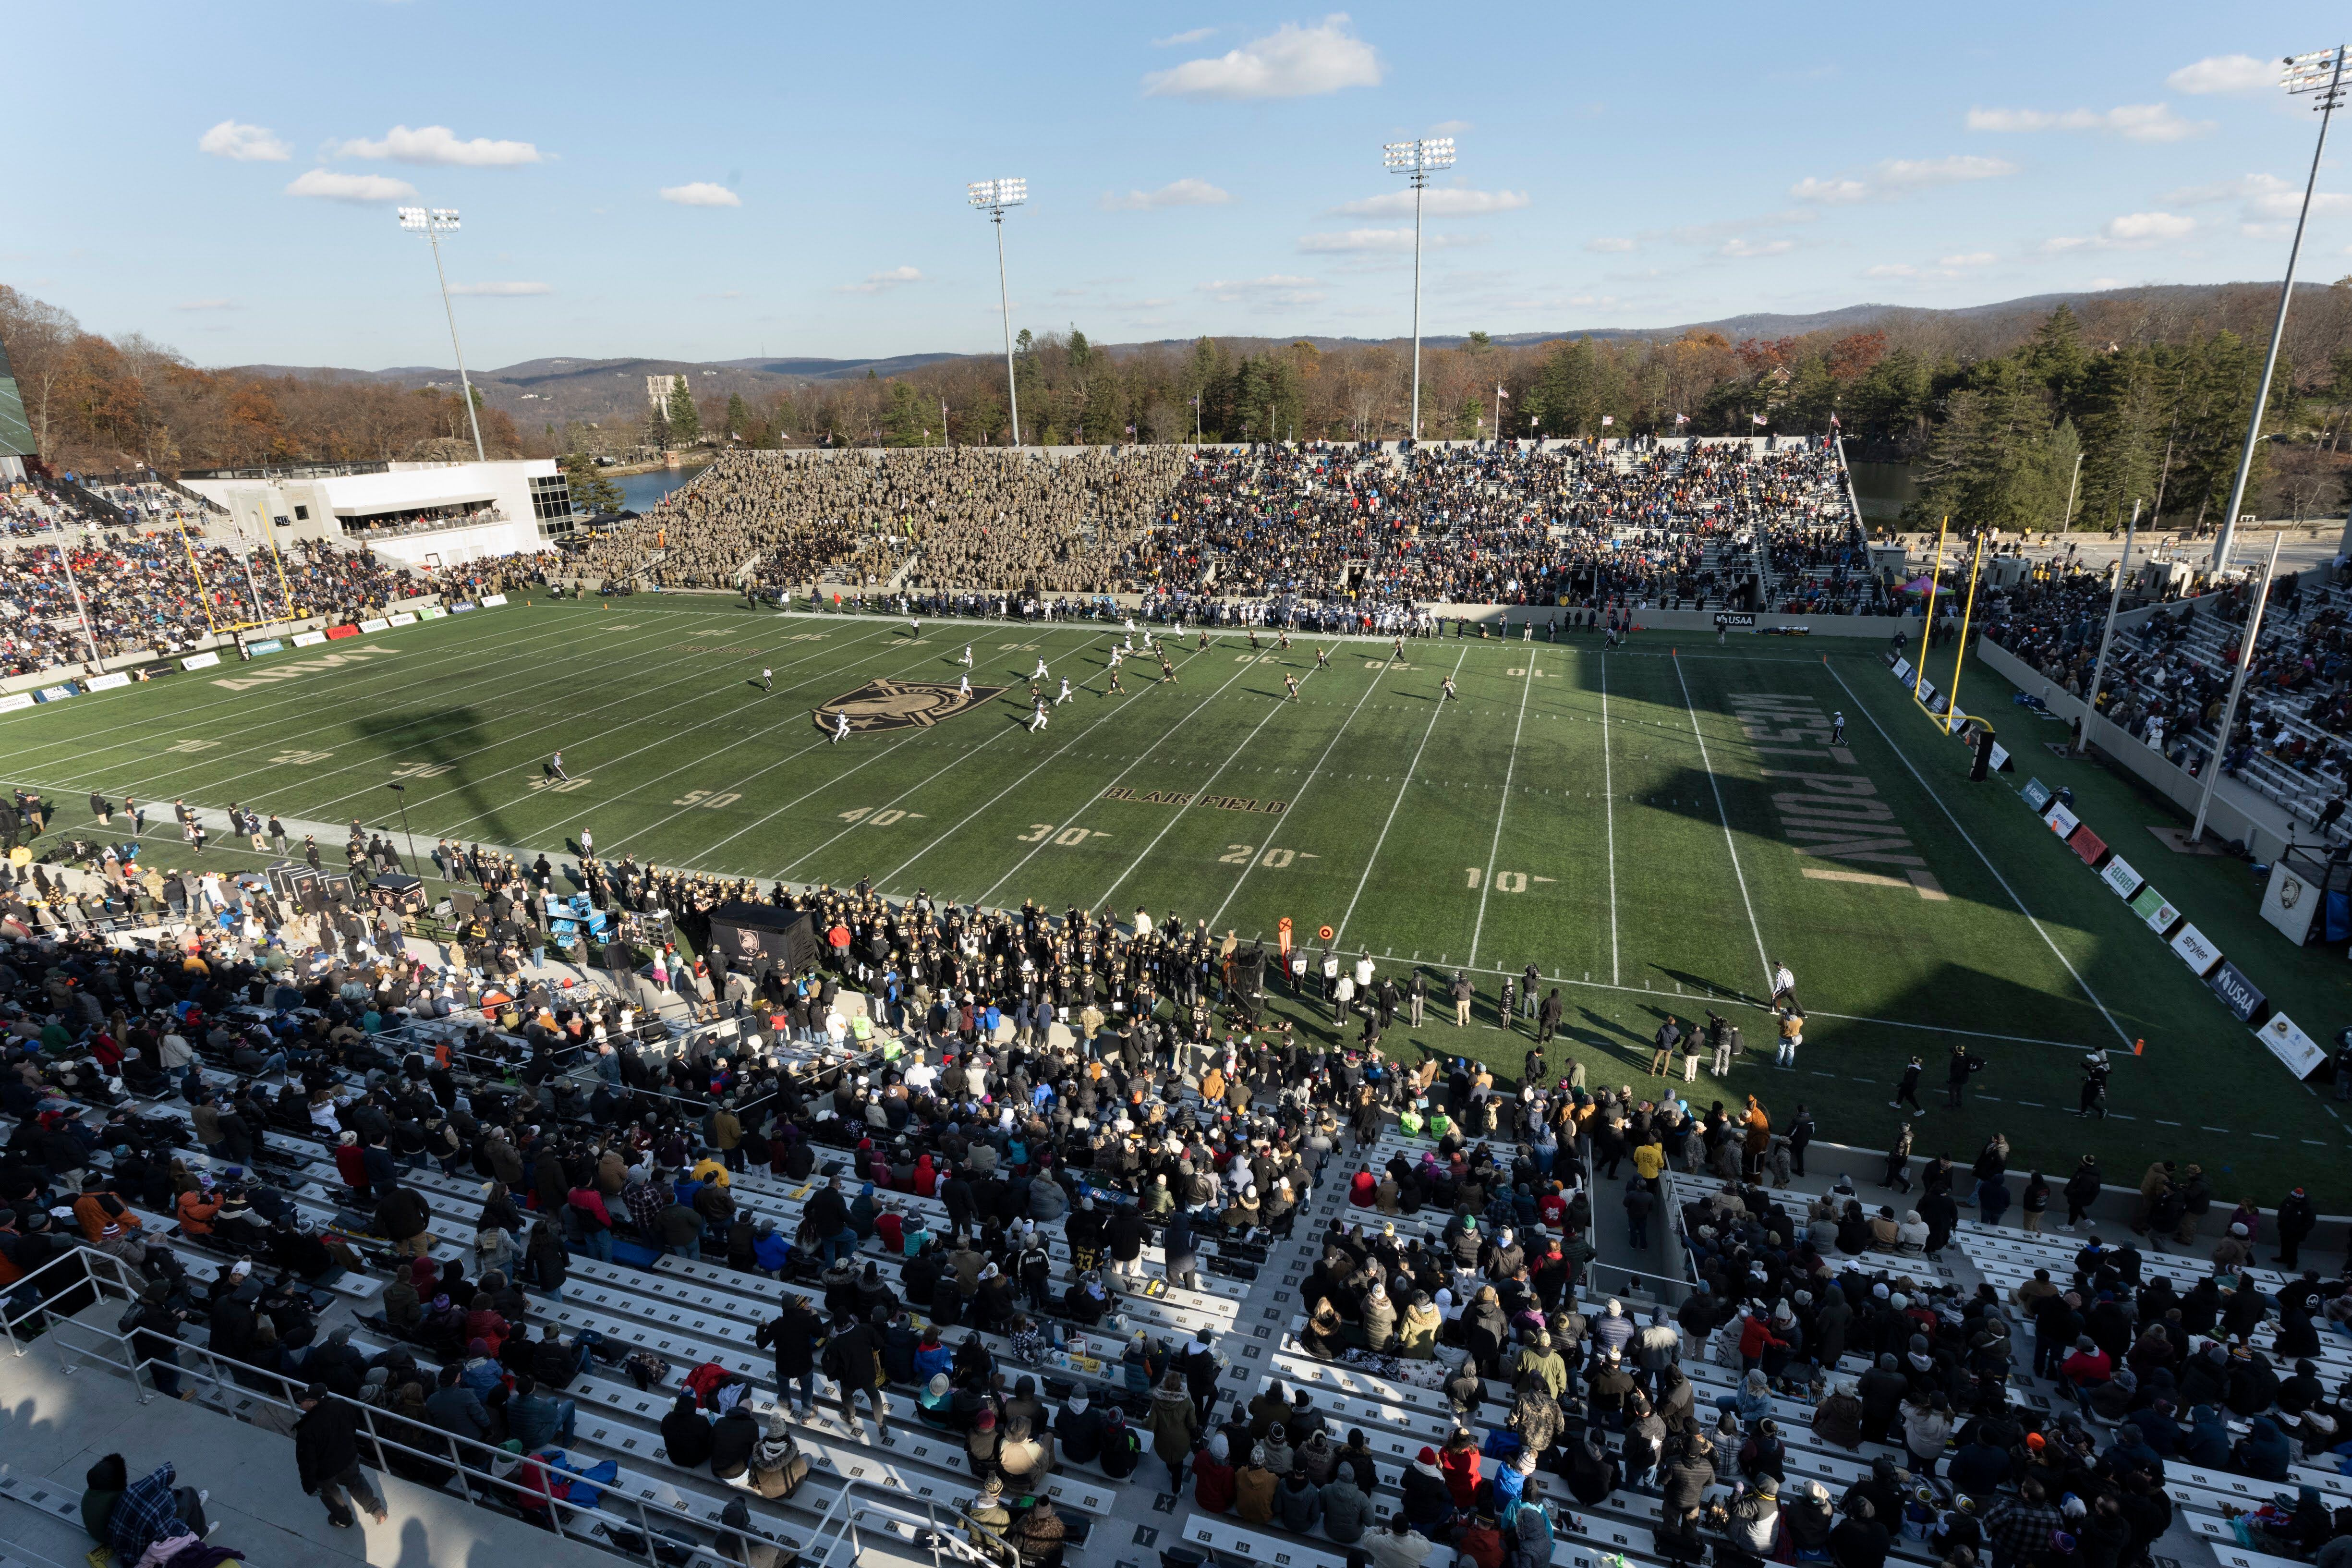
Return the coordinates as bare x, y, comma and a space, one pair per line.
736, 180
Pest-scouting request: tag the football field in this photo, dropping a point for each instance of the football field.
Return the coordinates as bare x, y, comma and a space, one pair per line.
1652, 828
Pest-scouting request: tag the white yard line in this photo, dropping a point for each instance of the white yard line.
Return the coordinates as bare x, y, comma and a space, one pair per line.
1240, 669
573, 718
1308, 782
1609, 803
951, 763
312, 715
331, 712
1486, 884
1340, 938
239, 700
1863, 709
1272, 706
1724, 818
891, 750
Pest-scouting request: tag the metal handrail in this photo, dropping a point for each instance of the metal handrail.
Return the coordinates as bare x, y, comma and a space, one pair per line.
224, 1371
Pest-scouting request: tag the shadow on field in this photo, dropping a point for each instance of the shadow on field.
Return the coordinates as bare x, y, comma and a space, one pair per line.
426, 752
1709, 989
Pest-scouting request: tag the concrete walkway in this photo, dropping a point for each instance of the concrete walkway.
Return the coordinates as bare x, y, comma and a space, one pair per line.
54, 1427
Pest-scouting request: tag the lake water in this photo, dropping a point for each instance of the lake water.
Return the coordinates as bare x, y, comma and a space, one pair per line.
1883, 490
639, 491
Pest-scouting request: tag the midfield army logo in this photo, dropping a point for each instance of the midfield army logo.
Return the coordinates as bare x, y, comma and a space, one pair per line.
901, 704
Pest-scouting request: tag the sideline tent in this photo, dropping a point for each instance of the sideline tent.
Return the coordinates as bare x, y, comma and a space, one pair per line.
753, 936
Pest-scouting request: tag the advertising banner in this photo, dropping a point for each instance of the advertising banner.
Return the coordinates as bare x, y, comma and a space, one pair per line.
54, 693
2086, 844
336, 634
2237, 993
2037, 796
108, 682
2301, 1054
308, 639
200, 661
492, 601
431, 612
2062, 821
2120, 876
255, 649
15, 699
375, 626
2156, 909
402, 619
2199, 954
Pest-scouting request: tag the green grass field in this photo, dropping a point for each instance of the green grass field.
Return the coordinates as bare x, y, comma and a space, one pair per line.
1631, 823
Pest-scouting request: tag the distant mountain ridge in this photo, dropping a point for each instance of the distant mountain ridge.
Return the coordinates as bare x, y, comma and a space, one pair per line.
555, 390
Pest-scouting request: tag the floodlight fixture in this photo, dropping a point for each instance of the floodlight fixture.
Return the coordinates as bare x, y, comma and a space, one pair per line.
433, 223
2320, 75
992, 197
1416, 160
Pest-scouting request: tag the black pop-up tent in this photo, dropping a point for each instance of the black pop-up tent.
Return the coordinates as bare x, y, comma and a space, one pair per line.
755, 936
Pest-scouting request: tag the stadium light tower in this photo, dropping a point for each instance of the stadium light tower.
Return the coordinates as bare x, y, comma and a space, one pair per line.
2321, 72
1417, 160
432, 224
992, 197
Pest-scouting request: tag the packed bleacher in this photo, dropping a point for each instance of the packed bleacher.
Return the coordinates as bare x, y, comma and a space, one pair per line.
1298, 534
2167, 679
166, 591
1003, 1184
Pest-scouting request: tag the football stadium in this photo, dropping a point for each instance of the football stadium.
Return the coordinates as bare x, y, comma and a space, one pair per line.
1571, 946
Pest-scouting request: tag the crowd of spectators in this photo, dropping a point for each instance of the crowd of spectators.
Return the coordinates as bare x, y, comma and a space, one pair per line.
164, 591
1299, 534
2168, 678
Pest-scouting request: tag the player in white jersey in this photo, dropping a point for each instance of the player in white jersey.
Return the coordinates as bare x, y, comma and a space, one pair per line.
1037, 719
1040, 673
1065, 697
767, 680
967, 656
914, 627
1451, 695
840, 728
963, 686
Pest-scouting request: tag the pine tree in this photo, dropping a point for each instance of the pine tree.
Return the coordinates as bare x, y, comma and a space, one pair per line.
591, 491
685, 420
739, 418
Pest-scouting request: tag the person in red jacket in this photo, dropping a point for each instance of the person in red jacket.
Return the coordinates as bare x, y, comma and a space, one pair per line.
2085, 1370
1363, 1189
1212, 1478
1755, 1334
350, 1164
1459, 1461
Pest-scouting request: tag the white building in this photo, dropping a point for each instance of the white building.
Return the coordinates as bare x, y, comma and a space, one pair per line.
660, 387
421, 514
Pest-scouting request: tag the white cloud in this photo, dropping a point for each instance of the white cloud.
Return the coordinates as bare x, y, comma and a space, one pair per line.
2262, 198
1173, 39
2132, 231
1898, 176
243, 143
1291, 61
1443, 202
1609, 245
205, 305
1273, 291
500, 290
1379, 239
337, 187
701, 194
1830, 192
1946, 267
1184, 192
438, 144
1747, 249
2223, 73
2135, 121
876, 282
